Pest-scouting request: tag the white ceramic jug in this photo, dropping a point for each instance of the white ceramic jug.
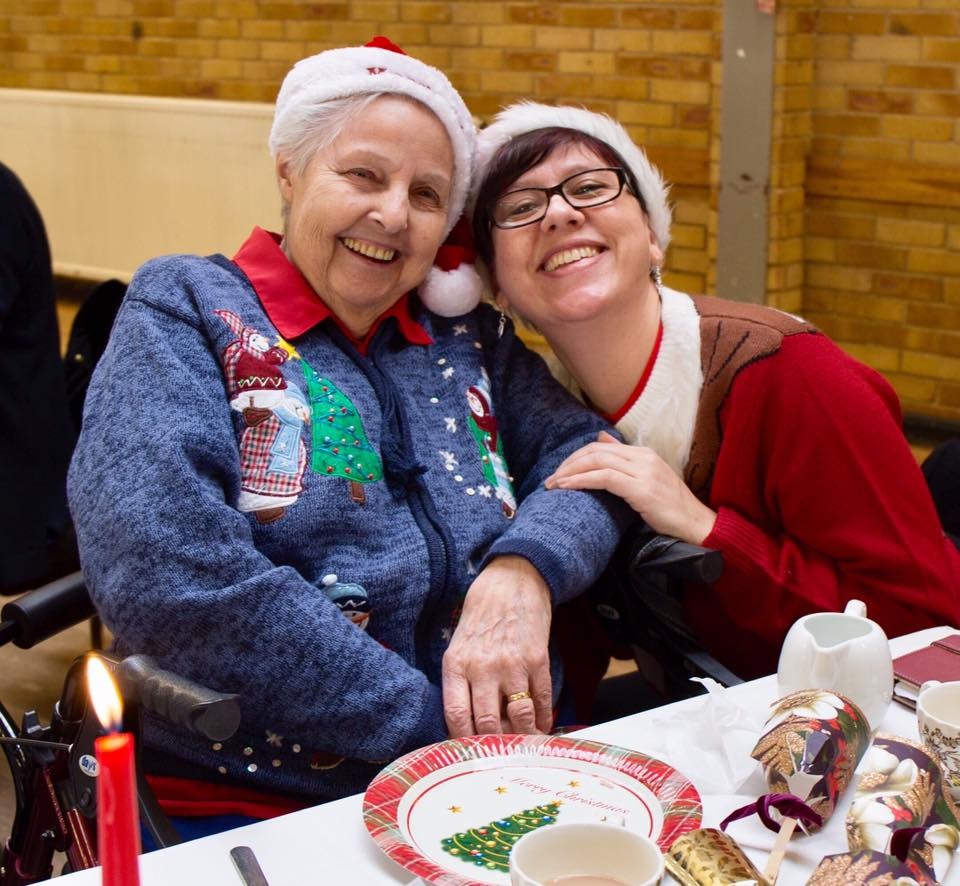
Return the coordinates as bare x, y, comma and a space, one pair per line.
842, 651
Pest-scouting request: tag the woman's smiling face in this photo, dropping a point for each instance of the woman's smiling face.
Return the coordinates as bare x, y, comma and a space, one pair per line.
574, 263
367, 214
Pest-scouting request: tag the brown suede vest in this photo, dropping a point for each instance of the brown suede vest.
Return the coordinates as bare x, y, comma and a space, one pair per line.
733, 335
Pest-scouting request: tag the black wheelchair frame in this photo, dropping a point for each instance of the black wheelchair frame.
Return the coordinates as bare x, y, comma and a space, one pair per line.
638, 603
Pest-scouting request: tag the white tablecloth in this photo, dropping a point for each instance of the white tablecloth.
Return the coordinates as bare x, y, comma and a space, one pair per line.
329, 844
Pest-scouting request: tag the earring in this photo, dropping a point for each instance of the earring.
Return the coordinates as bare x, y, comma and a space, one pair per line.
657, 278
502, 323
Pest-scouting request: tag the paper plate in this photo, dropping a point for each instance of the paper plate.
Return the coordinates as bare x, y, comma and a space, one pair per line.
450, 812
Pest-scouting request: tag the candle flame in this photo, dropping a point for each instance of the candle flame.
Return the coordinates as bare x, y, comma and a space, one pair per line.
104, 694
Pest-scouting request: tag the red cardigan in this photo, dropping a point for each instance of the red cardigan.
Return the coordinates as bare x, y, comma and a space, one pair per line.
819, 500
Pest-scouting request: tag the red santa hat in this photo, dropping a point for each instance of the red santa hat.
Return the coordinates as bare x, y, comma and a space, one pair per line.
527, 116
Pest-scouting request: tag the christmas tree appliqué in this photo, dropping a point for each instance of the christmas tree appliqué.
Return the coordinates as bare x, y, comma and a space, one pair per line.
340, 446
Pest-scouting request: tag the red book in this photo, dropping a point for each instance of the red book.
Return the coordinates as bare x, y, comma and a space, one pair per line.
938, 661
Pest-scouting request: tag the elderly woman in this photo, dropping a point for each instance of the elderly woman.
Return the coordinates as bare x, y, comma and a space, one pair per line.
747, 430
296, 483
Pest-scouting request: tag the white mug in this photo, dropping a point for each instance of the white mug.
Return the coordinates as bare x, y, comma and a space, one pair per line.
585, 854
938, 716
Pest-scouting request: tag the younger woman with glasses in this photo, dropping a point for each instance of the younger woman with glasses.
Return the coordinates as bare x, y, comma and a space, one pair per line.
746, 429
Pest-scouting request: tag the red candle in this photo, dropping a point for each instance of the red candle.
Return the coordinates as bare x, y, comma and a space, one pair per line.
118, 820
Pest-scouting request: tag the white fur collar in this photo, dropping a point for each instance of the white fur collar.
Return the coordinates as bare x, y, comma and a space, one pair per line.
663, 417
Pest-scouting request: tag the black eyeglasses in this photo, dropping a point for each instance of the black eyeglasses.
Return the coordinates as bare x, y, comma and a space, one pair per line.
583, 190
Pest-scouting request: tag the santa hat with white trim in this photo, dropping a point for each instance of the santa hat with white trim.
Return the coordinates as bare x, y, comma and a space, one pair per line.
527, 116
453, 288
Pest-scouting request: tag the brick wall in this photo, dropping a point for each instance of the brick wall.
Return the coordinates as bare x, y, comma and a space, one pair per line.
864, 232
883, 193
789, 146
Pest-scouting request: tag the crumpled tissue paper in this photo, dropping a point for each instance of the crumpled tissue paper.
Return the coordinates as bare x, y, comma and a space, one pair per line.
710, 742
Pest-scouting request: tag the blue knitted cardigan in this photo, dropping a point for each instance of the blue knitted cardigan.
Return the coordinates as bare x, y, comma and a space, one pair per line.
299, 523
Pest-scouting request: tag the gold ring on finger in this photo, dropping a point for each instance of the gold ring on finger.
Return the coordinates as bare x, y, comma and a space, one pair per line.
518, 696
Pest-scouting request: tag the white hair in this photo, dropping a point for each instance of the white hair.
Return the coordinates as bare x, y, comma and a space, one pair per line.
299, 136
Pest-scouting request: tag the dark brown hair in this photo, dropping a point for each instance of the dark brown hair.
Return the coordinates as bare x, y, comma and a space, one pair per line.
521, 154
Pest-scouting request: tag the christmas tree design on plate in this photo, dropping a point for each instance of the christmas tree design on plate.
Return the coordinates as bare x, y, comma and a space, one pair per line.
489, 846
340, 446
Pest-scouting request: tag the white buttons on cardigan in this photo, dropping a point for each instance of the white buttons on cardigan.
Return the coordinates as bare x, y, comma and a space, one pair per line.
434, 400
252, 767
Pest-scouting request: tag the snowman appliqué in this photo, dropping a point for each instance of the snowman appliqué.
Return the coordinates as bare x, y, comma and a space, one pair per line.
273, 457
486, 434
351, 599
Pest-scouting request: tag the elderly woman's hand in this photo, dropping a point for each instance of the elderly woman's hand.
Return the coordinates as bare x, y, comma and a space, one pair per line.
500, 649
642, 479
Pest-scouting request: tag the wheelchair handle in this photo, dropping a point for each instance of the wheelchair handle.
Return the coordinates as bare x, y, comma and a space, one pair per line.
179, 700
677, 559
41, 613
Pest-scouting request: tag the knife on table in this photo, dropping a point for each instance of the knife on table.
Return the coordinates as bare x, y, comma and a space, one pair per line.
248, 867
